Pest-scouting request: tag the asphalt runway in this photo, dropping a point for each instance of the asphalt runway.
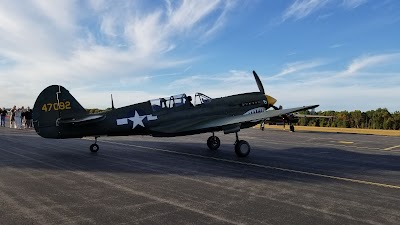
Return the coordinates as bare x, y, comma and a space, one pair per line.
288, 178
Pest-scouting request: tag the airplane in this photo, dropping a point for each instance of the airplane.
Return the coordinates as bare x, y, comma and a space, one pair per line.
291, 118
57, 114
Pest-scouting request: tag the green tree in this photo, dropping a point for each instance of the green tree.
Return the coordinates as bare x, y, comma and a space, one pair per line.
388, 124
356, 118
343, 119
396, 120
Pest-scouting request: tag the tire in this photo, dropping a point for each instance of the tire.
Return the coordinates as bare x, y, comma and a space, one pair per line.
213, 142
242, 148
291, 128
94, 147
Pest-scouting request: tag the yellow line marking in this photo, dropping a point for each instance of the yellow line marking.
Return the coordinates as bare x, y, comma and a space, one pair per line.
261, 166
393, 147
346, 142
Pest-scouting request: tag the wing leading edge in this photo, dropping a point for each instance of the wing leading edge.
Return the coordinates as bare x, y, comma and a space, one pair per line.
251, 117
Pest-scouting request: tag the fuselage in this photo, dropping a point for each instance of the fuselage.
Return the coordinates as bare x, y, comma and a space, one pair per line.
144, 119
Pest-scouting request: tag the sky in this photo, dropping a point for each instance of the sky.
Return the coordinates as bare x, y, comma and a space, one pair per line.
341, 54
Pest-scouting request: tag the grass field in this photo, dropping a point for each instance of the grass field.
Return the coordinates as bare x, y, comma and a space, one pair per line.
338, 130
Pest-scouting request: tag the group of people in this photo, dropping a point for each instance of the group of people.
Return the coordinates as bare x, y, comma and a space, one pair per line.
19, 117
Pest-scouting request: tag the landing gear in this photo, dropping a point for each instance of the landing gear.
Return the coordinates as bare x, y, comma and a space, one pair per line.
94, 147
291, 128
213, 142
242, 148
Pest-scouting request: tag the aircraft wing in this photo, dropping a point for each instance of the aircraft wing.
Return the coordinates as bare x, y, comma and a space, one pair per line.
83, 120
250, 117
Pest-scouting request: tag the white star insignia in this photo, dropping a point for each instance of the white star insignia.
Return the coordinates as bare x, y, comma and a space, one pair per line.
137, 120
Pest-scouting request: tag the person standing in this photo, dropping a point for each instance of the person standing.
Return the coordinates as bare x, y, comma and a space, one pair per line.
28, 118
3, 115
23, 119
12, 116
18, 119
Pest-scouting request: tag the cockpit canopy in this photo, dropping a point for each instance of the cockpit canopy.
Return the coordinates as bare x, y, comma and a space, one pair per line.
200, 98
167, 103
178, 100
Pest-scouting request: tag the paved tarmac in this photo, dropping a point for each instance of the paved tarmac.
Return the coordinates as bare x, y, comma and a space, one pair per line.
288, 178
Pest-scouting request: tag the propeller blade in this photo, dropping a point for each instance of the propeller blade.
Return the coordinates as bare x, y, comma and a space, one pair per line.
112, 102
258, 81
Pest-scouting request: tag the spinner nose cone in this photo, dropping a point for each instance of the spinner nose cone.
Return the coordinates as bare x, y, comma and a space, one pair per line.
271, 100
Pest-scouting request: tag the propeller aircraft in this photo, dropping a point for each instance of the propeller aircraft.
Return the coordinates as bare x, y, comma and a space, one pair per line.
57, 114
292, 118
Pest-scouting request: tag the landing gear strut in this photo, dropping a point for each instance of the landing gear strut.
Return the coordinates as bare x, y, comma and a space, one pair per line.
291, 128
94, 147
213, 142
242, 148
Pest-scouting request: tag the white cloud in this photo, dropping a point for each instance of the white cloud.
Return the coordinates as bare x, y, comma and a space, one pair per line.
308, 84
298, 66
336, 46
76, 43
302, 8
352, 4
368, 61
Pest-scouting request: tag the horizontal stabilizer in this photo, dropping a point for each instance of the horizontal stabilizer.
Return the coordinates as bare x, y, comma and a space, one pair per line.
83, 120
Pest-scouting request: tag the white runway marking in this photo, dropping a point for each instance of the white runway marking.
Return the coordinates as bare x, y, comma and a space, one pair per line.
390, 148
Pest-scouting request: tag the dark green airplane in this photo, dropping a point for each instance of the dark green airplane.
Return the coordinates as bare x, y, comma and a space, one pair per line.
57, 114
291, 118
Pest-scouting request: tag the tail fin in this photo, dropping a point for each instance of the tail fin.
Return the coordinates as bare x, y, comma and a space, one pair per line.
52, 104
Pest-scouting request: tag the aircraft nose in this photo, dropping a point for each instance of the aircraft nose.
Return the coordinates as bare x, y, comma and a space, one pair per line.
271, 100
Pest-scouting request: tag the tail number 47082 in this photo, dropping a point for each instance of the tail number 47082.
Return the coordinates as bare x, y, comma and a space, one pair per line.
47, 107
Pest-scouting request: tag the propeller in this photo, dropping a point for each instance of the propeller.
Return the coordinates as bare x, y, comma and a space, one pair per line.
271, 100
258, 81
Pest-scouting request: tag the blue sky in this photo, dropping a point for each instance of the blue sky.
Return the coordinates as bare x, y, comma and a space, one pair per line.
341, 54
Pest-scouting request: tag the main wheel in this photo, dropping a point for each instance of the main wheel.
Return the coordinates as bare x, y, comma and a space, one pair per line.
94, 148
213, 142
291, 128
242, 148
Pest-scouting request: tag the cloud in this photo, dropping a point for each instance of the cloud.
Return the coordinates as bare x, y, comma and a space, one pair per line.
76, 43
298, 66
217, 85
336, 46
366, 83
352, 4
302, 8
368, 61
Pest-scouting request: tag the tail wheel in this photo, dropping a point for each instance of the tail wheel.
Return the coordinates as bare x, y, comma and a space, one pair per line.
94, 147
242, 148
213, 142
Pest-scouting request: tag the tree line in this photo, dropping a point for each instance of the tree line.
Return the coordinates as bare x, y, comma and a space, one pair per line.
372, 119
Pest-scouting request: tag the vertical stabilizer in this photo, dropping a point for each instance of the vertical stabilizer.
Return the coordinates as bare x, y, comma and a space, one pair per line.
53, 103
